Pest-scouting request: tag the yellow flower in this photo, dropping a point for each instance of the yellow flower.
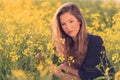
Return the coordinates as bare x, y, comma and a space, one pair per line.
70, 58
14, 56
1, 48
117, 75
106, 71
26, 52
29, 42
62, 40
48, 61
45, 4
40, 47
44, 72
49, 46
19, 74
60, 57
96, 15
115, 56
40, 67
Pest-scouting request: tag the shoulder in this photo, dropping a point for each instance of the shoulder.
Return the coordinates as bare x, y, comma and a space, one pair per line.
94, 39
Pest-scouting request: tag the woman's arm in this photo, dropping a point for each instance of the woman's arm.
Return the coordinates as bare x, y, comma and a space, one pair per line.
69, 77
66, 73
69, 70
58, 72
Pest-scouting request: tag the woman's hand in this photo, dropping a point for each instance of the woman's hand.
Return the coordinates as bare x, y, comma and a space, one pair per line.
37, 56
69, 70
66, 72
40, 57
58, 71
64, 68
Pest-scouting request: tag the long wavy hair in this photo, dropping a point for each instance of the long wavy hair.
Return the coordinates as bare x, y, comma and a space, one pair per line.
77, 49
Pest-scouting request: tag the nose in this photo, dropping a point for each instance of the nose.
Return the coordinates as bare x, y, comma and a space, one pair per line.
68, 26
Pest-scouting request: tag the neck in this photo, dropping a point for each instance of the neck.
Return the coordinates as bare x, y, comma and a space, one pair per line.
74, 39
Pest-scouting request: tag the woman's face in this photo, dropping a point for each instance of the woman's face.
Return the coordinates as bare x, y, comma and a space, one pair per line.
70, 24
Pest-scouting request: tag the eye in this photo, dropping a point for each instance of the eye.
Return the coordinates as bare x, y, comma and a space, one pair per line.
63, 24
71, 21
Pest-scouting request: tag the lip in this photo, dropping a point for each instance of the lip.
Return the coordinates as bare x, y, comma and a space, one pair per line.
70, 31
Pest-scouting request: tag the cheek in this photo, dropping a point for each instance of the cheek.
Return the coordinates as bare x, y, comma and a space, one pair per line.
65, 30
77, 27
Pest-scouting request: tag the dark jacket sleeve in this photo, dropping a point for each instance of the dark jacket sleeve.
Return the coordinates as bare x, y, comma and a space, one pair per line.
88, 70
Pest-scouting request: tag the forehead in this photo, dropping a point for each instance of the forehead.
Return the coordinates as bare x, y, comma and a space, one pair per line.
67, 16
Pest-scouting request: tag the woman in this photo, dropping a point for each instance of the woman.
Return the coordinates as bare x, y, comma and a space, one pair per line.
83, 48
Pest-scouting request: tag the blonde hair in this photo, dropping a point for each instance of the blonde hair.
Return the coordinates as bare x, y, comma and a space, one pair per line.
78, 51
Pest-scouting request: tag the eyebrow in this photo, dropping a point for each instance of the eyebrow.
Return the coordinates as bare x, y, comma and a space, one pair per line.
67, 20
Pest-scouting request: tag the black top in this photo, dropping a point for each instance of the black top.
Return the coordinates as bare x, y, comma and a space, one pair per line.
88, 70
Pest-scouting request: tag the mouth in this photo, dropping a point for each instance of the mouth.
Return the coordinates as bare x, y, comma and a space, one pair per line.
70, 31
